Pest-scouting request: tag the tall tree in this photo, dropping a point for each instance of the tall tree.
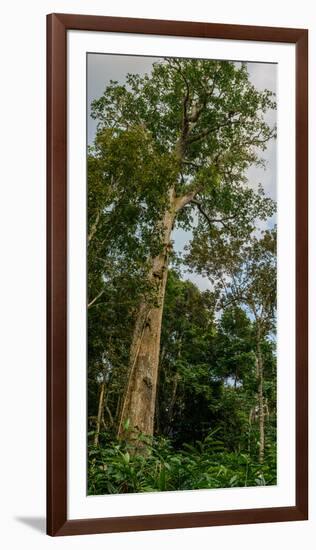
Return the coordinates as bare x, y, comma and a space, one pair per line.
173, 147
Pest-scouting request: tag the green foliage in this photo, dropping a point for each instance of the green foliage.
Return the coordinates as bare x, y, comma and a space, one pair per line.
118, 466
207, 377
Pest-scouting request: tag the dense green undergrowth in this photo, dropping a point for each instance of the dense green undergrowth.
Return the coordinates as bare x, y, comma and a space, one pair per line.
148, 465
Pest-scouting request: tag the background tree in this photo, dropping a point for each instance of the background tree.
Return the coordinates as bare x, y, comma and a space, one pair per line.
187, 390
245, 274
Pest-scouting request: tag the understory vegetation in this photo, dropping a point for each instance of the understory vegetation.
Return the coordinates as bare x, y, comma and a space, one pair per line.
115, 467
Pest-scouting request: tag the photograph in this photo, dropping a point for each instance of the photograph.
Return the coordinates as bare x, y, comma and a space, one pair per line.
158, 275
181, 274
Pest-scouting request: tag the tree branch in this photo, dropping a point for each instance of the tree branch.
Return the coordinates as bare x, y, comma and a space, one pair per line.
94, 226
186, 99
95, 299
209, 131
207, 217
180, 202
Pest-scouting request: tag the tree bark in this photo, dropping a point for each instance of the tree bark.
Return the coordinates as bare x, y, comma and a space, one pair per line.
100, 414
139, 402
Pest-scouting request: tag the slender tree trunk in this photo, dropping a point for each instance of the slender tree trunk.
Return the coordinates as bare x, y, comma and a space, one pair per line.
175, 386
117, 409
100, 414
236, 378
260, 404
173, 399
139, 401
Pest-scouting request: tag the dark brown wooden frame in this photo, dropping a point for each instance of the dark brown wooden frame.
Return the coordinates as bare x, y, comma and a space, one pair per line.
57, 27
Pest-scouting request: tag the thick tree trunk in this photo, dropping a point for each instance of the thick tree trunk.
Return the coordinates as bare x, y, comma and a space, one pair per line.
261, 414
139, 402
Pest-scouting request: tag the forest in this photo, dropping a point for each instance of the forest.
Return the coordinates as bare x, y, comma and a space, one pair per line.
181, 379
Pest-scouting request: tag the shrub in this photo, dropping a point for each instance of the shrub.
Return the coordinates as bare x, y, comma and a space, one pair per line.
151, 464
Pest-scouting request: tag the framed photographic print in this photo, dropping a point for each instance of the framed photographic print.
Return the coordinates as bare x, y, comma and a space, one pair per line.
177, 274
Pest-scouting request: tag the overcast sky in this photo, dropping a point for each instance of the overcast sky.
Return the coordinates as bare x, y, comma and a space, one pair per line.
101, 68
